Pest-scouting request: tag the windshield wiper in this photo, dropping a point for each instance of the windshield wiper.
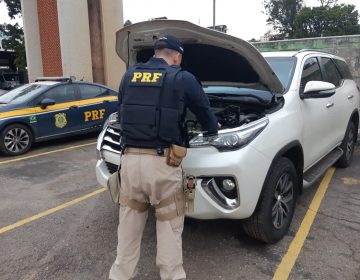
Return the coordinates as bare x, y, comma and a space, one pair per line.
3, 103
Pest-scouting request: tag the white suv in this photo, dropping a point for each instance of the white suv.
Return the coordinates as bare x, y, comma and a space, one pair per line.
286, 118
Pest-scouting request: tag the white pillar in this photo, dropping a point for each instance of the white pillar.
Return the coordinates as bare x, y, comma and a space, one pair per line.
32, 39
112, 21
75, 39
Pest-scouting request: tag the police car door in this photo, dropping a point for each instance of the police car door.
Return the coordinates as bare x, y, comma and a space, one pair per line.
96, 104
62, 117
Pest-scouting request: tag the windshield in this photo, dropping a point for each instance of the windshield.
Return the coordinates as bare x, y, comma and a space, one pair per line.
22, 94
283, 68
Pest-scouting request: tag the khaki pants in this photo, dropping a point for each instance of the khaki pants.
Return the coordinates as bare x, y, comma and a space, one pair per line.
147, 178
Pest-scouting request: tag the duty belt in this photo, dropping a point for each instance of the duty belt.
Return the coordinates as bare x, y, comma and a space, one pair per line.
145, 151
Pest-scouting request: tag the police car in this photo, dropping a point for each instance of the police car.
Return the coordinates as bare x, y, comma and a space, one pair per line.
51, 108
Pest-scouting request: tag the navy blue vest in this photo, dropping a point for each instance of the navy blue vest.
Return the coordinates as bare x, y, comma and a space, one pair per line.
151, 107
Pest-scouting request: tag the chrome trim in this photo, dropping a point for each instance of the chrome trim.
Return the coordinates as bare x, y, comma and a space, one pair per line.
212, 189
62, 133
112, 131
109, 139
108, 148
91, 104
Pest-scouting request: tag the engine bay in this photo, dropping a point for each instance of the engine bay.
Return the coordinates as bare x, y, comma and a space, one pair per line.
229, 115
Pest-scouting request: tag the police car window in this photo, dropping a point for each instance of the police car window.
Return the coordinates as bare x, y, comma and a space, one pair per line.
90, 91
61, 94
22, 94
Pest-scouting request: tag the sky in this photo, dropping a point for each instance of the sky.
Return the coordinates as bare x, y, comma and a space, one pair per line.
244, 18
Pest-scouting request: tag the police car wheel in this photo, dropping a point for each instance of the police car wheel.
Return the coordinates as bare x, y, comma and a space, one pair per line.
16, 139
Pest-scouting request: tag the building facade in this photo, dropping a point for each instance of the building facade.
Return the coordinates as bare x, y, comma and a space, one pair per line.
73, 38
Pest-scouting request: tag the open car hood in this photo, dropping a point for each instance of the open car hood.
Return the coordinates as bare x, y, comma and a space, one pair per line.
215, 58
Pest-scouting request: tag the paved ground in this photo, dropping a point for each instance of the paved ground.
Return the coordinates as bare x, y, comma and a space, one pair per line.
79, 241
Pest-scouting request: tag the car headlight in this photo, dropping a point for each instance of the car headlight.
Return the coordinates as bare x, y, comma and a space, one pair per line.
112, 119
231, 140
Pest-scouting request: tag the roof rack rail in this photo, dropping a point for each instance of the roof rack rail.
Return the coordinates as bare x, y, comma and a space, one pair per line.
312, 50
56, 79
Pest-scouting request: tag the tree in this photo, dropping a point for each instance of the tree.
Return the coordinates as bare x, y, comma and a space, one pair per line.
14, 7
327, 3
14, 34
281, 15
327, 21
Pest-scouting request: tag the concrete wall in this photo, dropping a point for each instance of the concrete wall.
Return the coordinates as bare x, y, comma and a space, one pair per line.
75, 39
347, 47
32, 38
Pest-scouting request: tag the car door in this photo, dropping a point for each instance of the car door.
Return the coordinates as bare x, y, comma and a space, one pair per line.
343, 98
96, 104
62, 117
317, 116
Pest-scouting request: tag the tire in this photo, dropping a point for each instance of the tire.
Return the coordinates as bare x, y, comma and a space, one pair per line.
347, 145
15, 139
278, 199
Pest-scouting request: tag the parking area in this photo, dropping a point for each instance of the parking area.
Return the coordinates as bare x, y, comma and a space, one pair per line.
57, 223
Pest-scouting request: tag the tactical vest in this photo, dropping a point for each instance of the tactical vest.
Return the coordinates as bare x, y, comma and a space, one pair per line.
151, 107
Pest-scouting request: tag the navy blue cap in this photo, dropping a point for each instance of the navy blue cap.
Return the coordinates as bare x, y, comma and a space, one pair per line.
169, 42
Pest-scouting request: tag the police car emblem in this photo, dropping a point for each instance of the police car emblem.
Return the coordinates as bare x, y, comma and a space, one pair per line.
60, 120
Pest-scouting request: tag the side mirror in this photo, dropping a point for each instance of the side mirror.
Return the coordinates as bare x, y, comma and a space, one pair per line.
318, 89
46, 102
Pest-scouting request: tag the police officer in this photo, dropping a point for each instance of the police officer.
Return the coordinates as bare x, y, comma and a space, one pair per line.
153, 98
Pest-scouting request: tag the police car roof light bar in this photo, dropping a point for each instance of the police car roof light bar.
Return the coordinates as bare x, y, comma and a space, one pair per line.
56, 79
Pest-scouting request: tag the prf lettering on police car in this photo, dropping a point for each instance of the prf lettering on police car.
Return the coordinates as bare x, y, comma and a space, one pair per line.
94, 115
146, 77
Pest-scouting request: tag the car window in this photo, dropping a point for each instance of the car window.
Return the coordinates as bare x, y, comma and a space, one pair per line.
91, 91
332, 75
61, 94
344, 69
22, 94
283, 68
311, 72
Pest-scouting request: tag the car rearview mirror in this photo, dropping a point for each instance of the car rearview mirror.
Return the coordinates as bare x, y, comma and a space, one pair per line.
46, 102
318, 89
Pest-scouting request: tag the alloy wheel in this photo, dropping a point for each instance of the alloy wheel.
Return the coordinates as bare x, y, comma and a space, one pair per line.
16, 140
283, 200
350, 144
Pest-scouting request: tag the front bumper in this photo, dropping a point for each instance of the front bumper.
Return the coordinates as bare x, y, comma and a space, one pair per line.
247, 166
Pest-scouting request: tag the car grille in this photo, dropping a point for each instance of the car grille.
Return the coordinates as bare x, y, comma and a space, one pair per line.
111, 167
111, 143
111, 140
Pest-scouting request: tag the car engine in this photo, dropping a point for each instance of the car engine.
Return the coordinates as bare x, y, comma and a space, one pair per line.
229, 115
